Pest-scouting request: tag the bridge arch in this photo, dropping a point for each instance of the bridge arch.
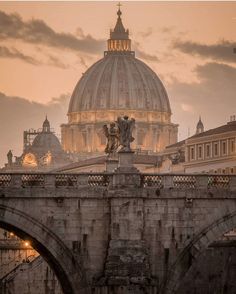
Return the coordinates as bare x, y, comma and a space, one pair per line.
48, 244
195, 247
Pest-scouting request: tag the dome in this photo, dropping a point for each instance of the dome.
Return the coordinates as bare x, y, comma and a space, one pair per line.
119, 81
46, 142
115, 86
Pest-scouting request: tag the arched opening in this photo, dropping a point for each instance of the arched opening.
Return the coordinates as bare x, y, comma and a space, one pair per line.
195, 248
214, 270
58, 256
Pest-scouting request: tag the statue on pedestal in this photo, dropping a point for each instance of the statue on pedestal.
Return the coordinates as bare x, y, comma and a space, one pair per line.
126, 127
112, 138
9, 157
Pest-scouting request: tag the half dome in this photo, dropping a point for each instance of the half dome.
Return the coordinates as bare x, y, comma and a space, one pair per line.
119, 81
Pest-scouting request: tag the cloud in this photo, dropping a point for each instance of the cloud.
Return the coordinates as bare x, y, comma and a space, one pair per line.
143, 55
83, 62
147, 33
18, 114
38, 32
167, 29
221, 51
14, 53
54, 61
212, 97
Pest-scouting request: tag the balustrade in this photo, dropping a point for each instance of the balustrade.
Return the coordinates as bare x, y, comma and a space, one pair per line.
160, 181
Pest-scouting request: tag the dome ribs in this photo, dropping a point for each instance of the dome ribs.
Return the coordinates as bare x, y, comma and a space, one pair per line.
102, 95
119, 81
130, 90
146, 91
113, 86
123, 84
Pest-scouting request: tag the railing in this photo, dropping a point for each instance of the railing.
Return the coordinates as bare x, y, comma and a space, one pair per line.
30, 180
5, 180
160, 181
184, 181
99, 180
65, 180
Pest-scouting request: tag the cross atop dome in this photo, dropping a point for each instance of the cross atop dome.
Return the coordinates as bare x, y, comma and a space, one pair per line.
119, 37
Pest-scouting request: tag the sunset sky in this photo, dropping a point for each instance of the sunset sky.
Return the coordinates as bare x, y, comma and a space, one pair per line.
46, 46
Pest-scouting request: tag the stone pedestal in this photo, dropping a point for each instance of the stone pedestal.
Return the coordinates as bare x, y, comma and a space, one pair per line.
126, 174
111, 164
125, 164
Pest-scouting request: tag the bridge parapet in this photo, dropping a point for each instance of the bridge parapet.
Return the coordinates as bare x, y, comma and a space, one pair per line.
160, 181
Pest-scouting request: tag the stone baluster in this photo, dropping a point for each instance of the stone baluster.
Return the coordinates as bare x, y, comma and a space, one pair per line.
168, 181
232, 183
202, 182
82, 180
49, 181
16, 180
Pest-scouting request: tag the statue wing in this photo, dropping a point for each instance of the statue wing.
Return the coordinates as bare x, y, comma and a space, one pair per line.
105, 131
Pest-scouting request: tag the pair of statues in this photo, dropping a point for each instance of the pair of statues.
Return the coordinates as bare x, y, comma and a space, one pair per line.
119, 134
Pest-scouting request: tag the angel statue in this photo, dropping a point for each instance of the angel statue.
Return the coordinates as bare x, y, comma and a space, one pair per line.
126, 127
112, 138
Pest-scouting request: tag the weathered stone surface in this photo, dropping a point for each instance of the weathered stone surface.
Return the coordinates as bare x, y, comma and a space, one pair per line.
100, 238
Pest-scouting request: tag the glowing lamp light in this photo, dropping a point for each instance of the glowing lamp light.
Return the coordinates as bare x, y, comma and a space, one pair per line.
27, 243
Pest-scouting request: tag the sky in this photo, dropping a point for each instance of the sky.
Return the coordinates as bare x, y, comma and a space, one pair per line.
46, 46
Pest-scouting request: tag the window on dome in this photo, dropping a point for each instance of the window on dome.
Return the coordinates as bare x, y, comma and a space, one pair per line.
29, 160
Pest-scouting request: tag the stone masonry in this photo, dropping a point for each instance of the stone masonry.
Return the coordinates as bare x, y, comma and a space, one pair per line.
118, 232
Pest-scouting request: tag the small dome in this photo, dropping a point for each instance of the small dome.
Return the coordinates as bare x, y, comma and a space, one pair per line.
45, 142
119, 81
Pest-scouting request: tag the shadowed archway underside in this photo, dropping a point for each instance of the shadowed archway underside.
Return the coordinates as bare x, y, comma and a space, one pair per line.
50, 246
194, 249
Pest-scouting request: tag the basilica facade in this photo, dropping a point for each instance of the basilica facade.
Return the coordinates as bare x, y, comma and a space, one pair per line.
118, 84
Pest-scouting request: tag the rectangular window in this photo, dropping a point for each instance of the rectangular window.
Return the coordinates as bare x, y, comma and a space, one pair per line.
192, 153
223, 148
208, 150
216, 149
199, 151
232, 146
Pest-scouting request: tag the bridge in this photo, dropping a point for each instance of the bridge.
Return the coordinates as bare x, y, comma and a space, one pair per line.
125, 232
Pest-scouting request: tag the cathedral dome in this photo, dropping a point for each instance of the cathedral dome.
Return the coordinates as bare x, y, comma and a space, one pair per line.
117, 85
119, 81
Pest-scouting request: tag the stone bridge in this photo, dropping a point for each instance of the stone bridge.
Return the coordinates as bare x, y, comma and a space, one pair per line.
118, 232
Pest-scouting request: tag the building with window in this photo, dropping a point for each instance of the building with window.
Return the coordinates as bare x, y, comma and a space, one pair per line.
212, 151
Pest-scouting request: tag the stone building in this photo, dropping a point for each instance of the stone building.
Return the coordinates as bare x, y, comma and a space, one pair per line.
120, 84
41, 151
116, 85
210, 151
